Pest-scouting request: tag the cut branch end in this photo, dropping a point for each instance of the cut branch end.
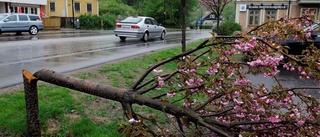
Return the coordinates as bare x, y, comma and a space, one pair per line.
29, 76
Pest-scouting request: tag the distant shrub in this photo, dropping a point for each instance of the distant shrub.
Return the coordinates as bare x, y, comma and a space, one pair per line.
94, 21
227, 28
201, 26
109, 21
206, 26
89, 21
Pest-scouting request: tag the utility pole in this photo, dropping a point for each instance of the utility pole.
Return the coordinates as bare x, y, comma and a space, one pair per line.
72, 13
183, 12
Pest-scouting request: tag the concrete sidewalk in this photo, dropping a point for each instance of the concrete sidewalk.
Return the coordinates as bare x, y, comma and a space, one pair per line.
71, 30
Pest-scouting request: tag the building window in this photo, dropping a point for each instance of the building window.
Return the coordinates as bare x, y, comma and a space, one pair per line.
33, 10
254, 17
52, 7
271, 14
25, 9
89, 7
77, 7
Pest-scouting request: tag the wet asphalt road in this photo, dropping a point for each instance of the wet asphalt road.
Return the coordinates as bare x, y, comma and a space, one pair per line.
69, 50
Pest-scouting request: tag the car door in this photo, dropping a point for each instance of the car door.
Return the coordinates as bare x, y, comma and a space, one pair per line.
150, 27
23, 23
157, 28
10, 23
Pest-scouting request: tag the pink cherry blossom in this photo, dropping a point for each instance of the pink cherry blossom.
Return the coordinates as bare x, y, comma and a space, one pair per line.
308, 35
170, 95
300, 122
160, 83
171, 117
211, 91
157, 71
241, 82
274, 119
132, 121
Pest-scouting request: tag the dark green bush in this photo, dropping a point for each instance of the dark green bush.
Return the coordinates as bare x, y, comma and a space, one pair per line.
109, 21
94, 21
89, 21
206, 26
202, 26
227, 28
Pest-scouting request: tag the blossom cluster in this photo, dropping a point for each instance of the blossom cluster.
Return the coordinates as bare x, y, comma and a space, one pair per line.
160, 83
246, 46
213, 70
268, 61
132, 121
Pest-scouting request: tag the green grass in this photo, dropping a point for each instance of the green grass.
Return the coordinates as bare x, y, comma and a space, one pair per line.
84, 127
64, 112
54, 102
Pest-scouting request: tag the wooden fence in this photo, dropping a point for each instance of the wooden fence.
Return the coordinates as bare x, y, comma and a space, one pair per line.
52, 23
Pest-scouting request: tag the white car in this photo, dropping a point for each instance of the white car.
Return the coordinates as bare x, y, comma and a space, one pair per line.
139, 27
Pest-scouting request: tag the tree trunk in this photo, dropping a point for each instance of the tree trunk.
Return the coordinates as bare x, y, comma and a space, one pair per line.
218, 24
183, 13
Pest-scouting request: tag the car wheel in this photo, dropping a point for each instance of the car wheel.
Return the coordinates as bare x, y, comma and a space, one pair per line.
163, 35
33, 30
145, 37
123, 38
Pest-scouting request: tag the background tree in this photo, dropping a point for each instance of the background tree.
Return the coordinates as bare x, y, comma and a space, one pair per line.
228, 13
217, 7
167, 12
115, 7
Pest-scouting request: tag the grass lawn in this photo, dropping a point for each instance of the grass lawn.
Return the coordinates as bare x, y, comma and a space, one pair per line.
64, 112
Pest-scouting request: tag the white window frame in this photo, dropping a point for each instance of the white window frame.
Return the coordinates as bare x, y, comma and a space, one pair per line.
91, 8
266, 15
26, 9
54, 8
258, 15
75, 10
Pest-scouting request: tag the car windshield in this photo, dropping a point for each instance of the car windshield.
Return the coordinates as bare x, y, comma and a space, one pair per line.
3, 16
131, 20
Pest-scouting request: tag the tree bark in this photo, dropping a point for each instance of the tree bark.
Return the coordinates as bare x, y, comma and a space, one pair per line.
31, 97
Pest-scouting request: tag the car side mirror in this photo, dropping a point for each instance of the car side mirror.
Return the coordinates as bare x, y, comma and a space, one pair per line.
159, 24
6, 20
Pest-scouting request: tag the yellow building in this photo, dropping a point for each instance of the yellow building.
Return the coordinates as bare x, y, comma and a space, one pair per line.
69, 9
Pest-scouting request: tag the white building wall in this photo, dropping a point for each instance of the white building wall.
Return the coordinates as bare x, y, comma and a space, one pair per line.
2, 7
36, 2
